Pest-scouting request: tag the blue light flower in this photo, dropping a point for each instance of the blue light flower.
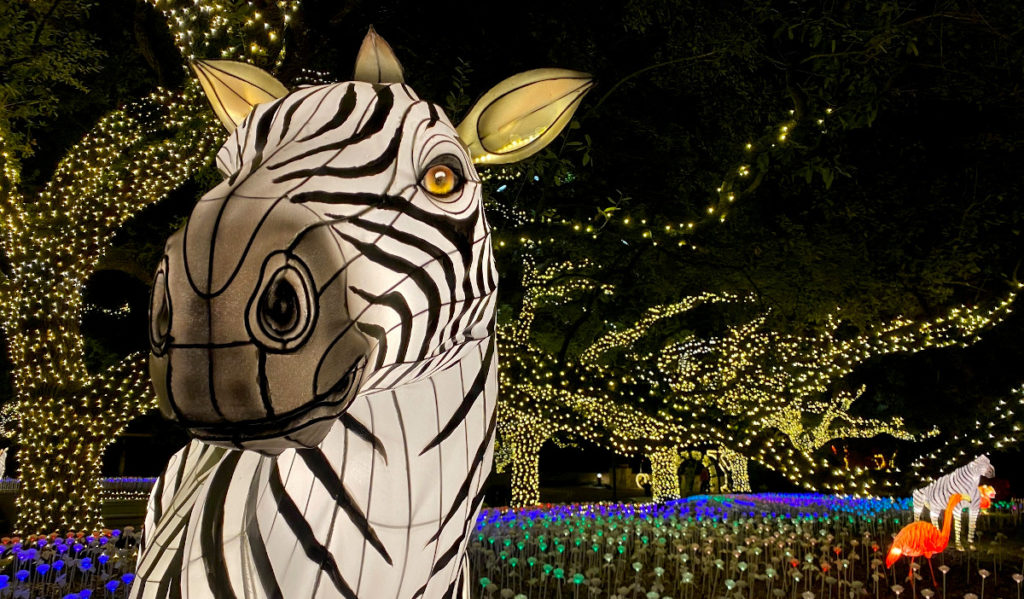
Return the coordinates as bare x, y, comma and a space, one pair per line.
21, 575
4, 581
72, 596
85, 564
128, 578
84, 594
42, 569
103, 540
58, 565
116, 532
112, 585
103, 559
77, 547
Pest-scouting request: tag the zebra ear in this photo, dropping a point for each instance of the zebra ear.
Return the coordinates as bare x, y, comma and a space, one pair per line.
521, 115
233, 88
376, 61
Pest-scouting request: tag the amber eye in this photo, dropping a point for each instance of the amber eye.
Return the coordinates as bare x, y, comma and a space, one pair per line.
441, 180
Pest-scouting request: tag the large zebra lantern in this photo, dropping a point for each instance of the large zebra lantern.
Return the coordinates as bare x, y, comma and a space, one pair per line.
963, 480
330, 306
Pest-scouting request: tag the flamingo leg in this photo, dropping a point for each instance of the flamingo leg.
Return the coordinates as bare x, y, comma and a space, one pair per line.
934, 584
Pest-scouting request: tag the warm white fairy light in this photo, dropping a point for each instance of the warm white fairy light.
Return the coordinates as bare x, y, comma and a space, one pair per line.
767, 381
133, 157
235, 30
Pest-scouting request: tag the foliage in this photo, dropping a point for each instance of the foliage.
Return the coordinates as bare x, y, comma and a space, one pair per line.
46, 54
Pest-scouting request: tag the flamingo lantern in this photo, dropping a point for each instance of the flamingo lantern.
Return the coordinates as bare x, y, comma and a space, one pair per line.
922, 538
987, 495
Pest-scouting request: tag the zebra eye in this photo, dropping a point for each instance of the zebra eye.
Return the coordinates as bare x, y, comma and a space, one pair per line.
441, 180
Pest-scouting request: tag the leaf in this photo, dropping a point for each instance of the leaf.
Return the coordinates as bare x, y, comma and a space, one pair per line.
827, 176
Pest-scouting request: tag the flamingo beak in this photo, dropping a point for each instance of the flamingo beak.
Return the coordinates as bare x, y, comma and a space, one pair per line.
894, 554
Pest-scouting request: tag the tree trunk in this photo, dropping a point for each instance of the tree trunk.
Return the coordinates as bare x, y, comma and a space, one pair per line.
735, 465
664, 473
60, 475
525, 472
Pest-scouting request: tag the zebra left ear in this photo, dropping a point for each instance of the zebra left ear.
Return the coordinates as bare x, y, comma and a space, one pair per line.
521, 115
234, 88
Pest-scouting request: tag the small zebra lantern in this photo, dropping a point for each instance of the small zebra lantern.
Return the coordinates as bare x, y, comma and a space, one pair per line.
330, 305
963, 480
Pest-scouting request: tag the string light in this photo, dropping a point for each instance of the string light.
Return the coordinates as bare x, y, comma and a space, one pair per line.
235, 30
66, 416
737, 182
750, 394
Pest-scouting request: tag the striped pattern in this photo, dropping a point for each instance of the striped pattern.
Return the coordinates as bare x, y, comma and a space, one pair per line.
395, 360
963, 480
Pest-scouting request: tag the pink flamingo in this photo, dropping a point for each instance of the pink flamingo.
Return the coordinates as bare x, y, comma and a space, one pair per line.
922, 538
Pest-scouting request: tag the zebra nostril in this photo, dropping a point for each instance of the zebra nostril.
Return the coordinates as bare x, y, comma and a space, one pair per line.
159, 311
283, 309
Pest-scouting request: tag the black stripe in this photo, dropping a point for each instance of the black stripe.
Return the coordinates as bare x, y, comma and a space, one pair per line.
258, 549
446, 557
375, 166
395, 301
290, 114
345, 108
414, 272
170, 584
475, 390
158, 498
478, 459
450, 593
408, 480
243, 126
359, 430
440, 256
380, 335
262, 134
458, 232
322, 470
181, 467
305, 536
419, 592
211, 531
484, 248
379, 116
264, 384
471, 515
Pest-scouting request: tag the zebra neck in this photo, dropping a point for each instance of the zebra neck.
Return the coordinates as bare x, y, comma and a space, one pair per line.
399, 477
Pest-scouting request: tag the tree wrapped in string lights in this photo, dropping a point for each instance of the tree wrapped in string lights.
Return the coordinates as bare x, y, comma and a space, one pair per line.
53, 241
760, 381
586, 397
749, 394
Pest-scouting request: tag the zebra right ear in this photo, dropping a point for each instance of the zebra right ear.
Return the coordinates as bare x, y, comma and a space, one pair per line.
234, 88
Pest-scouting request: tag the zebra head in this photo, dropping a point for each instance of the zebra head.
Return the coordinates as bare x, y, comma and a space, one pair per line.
983, 467
346, 250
